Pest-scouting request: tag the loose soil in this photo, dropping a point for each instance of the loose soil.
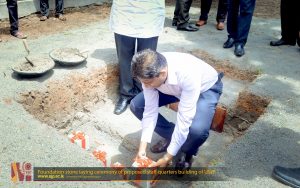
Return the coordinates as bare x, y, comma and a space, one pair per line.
249, 107
82, 16
36, 65
67, 55
57, 105
224, 66
76, 17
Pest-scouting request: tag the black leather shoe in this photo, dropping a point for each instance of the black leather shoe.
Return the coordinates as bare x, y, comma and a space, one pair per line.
239, 50
160, 146
289, 176
281, 42
184, 163
229, 43
121, 105
174, 22
189, 27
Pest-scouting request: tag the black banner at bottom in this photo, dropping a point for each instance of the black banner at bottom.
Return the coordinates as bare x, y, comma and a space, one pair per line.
127, 174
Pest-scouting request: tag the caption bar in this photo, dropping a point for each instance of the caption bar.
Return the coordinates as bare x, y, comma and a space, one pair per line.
126, 174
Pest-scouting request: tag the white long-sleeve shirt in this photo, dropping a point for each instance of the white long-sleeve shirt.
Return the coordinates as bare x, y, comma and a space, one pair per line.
137, 18
187, 77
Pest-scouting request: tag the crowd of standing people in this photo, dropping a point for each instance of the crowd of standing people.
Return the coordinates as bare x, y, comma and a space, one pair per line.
12, 6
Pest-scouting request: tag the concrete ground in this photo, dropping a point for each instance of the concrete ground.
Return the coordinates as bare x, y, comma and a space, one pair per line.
274, 139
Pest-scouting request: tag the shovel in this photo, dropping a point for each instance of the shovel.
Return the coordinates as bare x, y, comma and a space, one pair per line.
28, 51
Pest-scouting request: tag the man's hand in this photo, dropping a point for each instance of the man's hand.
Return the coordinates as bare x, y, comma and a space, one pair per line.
163, 162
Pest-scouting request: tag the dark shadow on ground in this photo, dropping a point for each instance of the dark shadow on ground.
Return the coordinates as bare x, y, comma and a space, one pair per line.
39, 78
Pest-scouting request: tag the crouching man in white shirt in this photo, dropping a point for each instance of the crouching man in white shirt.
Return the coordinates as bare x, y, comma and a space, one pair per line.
167, 78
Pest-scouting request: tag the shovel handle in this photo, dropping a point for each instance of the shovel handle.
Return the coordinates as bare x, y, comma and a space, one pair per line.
26, 46
30, 62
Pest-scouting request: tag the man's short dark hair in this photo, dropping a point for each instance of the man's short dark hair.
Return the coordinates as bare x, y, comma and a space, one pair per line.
147, 64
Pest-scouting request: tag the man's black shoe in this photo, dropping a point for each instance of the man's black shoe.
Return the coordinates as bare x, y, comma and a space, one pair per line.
184, 163
239, 50
174, 22
121, 105
188, 27
160, 146
289, 176
229, 43
281, 42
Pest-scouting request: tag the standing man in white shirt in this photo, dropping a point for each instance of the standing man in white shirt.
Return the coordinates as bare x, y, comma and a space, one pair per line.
136, 25
167, 78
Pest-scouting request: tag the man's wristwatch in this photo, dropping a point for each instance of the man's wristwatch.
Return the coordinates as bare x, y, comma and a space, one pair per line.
142, 154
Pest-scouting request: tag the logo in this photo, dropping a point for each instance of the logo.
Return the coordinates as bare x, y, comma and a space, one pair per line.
21, 172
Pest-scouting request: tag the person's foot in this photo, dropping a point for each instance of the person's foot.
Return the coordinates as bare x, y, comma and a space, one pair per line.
281, 42
160, 146
188, 27
19, 35
121, 105
288, 176
184, 163
43, 18
229, 43
174, 22
201, 23
61, 17
239, 50
220, 26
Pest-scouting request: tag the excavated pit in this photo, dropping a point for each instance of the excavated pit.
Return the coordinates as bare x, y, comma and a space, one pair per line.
58, 103
248, 108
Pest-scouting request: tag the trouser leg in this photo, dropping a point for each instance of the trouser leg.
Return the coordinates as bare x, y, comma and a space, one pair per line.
232, 19
44, 6
244, 20
59, 7
205, 7
222, 11
184, 17
199, 130
125, 50
12, 7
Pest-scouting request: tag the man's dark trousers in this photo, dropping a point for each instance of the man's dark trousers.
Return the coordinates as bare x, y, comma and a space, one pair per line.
12, 7
181, 13
239, 19
290, 20
126, 47
222, 10
44, 5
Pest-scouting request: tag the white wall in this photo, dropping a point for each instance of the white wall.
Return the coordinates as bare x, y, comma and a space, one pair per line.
26, 7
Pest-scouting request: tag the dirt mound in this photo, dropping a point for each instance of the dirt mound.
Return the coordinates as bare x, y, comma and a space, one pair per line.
249, 107
76, 18
225, 66
57, 105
